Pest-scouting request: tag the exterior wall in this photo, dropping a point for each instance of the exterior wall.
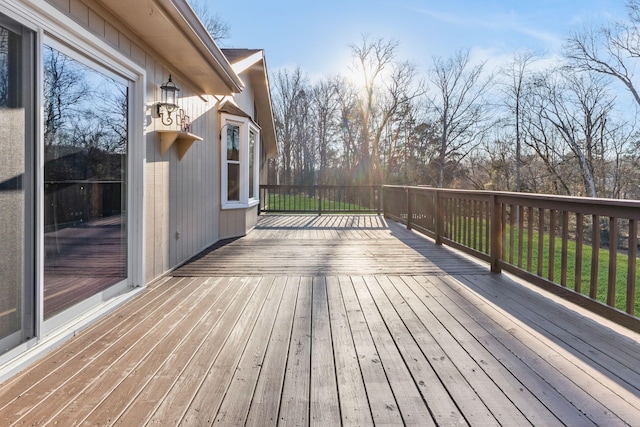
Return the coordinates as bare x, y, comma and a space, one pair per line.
251, 218
232, 223
245, 100
181, 196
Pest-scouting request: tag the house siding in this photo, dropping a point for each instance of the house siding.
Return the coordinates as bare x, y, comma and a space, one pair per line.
181, 196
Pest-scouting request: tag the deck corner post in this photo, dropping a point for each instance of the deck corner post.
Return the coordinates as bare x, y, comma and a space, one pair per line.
319, 196
409, 208
380, 193
496, 231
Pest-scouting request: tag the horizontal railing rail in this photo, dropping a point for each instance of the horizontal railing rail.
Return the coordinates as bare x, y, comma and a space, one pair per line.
583, 249
320, 199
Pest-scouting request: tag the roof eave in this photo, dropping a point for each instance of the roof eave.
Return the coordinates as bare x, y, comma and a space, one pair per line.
172, 29
265, 110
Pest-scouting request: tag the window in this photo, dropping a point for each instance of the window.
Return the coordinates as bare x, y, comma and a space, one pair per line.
233, 163
240, 149
252, 164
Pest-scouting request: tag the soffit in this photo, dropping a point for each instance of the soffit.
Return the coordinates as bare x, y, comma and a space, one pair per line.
172, 29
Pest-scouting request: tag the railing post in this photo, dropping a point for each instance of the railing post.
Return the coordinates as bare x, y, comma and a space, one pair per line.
409, 208
380, 192
319, 195
496, 234
439, 218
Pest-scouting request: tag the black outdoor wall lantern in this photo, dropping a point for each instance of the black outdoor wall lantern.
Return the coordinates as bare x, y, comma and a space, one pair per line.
169, 101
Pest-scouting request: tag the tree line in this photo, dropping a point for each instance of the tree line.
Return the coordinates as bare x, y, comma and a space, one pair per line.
556, 129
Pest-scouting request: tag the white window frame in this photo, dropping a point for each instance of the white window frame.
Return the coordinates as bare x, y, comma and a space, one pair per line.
246, 126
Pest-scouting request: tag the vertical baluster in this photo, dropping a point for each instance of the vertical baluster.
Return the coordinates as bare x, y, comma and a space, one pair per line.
496, 228
512, 234
595, 256
613, 259
465, 222
481, 226
540, 240
577, 285
631, 267
565, 240
474, 234
487, 230
409, 209
470, 223
503, 232
520, 235
529, 237
552, 243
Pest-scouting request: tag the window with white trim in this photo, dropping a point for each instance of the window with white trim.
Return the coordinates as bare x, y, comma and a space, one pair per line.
240, 174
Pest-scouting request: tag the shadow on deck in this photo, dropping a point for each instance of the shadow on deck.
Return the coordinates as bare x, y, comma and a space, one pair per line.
336, 320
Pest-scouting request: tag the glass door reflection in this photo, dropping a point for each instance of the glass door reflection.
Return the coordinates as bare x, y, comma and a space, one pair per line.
85, 191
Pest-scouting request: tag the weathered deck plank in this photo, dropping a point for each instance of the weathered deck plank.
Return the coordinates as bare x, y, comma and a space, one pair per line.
340, 320
324, 404
354, 405
294, 403
264, 408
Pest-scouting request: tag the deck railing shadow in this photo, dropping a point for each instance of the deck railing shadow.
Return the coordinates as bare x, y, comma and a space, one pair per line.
324, 222
575, 332
571, 246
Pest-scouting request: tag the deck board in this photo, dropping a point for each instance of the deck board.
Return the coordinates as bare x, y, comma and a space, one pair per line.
335, 320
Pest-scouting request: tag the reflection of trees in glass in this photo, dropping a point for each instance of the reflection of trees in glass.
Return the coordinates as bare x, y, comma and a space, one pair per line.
85, 121
85, 115
4, 66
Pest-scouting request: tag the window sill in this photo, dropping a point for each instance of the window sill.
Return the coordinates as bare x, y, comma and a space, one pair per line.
182, 141
239, 205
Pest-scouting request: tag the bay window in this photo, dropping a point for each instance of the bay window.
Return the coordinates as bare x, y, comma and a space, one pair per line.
240, 174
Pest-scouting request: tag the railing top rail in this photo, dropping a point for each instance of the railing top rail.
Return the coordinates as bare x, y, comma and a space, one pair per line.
589, 205
316, 186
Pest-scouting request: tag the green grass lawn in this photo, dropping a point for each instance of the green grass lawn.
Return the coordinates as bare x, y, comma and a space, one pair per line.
587, 251
304, 203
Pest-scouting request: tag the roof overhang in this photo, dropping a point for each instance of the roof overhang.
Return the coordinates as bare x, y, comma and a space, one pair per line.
173, 30
252, 63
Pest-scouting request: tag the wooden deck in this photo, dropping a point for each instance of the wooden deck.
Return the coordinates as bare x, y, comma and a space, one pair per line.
335, 320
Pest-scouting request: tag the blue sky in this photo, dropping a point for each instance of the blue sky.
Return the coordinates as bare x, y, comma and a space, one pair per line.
316, 35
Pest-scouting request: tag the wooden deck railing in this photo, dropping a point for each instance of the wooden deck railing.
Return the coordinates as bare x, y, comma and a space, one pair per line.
583, 249
319, 199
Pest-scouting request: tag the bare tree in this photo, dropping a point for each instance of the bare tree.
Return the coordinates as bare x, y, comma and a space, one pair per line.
65, 86
459, 106
350, 127
609, 50
325, 103
289, 89
577, 106
514, 89
218, 28
371, 59
4, 67
388, 89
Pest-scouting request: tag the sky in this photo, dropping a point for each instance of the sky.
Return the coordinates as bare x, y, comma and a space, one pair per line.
315, 35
